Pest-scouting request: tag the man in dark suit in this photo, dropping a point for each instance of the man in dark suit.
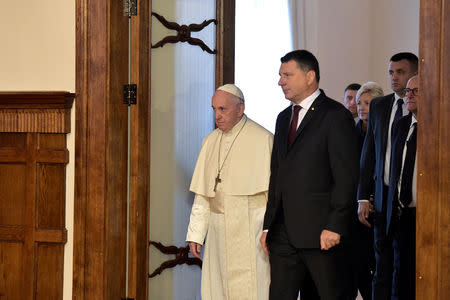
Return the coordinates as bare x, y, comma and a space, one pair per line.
314, 171
375, 166
402, 197
350, 99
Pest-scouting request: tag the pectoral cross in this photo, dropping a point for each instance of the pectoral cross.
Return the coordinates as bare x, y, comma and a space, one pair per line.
218, 180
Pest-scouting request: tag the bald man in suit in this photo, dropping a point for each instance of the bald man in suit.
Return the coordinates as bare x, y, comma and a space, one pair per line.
402, 197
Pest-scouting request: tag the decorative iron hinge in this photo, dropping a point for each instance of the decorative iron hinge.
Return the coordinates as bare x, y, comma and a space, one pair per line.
127, 298
129, 94
129, 8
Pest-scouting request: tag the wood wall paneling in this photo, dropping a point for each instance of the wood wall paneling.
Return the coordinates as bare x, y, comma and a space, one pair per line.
49, 271
33, 156
116, 139
432, 281
80, 190
140, 154
12, 284
50, 187
444, 212
12, 204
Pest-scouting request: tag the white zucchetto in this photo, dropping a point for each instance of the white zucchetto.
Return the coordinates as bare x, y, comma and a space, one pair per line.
232, 89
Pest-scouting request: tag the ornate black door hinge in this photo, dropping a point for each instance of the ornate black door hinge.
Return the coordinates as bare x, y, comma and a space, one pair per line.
129, 8
129, 94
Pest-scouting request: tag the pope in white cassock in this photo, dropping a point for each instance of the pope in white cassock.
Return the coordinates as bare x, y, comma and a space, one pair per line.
230, 182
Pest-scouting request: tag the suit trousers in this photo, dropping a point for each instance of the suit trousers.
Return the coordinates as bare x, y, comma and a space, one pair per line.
290, 266
395, 255
384, 255
404, 244
362, 260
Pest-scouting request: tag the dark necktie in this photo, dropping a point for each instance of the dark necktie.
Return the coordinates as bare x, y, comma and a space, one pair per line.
398, 113
294, 123
408, 168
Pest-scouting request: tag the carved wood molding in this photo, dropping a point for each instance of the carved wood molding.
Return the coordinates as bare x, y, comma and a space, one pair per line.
181, 257
43, 112
184, 33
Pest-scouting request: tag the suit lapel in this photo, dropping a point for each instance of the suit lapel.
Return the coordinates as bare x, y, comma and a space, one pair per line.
285, 123
310, 114
399, 143
386, 115
396, 164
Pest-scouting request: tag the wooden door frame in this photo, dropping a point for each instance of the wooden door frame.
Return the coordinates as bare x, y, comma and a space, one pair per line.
100, 217
101, 141
433, 156
225, 42
100, 150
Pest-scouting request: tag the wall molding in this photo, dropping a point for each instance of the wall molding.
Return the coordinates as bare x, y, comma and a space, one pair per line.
43, 112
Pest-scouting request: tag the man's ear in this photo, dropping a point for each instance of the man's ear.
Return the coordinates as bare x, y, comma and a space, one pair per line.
311, 77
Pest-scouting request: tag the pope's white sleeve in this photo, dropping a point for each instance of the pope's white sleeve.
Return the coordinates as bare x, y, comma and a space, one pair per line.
199, 220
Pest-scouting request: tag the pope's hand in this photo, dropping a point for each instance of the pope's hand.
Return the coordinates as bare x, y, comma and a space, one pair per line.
329, 239
262, 240
195, 249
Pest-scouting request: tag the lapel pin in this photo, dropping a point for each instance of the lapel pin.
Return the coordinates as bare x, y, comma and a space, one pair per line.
312, 108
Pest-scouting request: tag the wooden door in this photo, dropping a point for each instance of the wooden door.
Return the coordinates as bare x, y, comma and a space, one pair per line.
33, 158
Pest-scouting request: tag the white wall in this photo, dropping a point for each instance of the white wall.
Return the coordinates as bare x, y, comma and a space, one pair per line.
356, 38
395, 28
37, 45
37, 53
343, 44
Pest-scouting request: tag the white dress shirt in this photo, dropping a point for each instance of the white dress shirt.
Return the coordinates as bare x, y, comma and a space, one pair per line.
305, 105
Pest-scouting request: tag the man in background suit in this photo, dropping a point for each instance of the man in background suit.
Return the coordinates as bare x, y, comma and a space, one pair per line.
375, 166
402, 197
314, 173
350, 99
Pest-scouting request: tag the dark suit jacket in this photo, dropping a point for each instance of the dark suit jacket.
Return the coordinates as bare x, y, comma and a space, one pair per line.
374, 150
314, 180
400, 133
360, 135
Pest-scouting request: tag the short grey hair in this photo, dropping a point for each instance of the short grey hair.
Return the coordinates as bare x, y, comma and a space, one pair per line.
371, 88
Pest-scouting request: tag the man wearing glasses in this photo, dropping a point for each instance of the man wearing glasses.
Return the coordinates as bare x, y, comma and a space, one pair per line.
402, 196
375, 168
